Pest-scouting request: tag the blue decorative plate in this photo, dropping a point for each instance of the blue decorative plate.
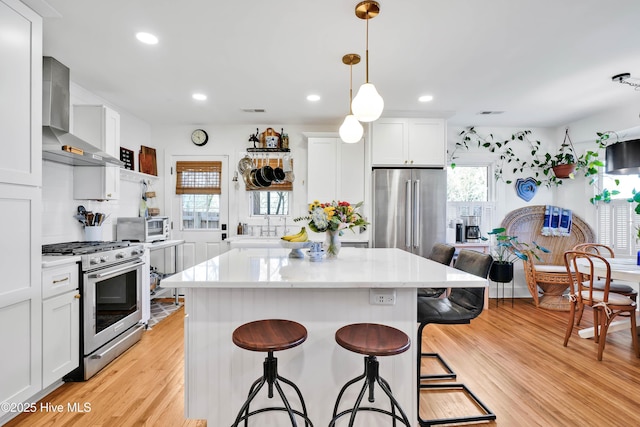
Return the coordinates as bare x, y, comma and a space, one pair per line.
526, 188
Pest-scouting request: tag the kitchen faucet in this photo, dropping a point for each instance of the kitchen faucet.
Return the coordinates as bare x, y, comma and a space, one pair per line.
268, 218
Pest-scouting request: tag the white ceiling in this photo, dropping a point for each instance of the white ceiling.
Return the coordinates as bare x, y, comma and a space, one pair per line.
542, 62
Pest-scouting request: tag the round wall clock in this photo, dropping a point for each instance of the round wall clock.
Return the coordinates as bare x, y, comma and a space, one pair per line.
199, 137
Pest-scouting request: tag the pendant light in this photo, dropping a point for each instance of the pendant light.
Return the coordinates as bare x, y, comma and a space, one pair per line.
623, 158
351, 130
367, 106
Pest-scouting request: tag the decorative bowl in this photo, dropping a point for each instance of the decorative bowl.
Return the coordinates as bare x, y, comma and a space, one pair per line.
296, 247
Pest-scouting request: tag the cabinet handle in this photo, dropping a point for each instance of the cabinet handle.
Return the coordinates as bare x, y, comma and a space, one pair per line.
61, 280
411, 161
77, 296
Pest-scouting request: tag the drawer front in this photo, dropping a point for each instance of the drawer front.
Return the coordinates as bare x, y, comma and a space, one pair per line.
60, 279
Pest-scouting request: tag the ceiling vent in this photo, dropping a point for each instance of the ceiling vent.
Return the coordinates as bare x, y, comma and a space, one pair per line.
253, 110
487, 113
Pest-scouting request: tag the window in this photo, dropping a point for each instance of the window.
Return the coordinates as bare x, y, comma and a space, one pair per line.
469, 193
199, 186
468, 183
617, 221
274, 199
270, 203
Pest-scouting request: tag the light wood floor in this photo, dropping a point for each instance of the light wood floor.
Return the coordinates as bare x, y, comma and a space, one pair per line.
142, 387
513, 359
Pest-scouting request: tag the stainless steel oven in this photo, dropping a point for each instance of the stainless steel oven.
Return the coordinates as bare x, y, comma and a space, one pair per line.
111, 302
111, 295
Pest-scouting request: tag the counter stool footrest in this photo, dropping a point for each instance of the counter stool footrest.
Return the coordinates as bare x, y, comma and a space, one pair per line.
450, 374
371, 377
487, 414
271, 378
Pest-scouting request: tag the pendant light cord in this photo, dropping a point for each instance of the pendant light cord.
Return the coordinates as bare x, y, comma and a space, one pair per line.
350, 86
367, 50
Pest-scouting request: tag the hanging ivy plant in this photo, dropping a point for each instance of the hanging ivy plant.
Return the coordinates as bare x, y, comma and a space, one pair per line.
533, 162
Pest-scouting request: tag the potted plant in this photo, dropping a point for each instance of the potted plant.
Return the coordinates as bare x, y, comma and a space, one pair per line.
507, 250
564, 163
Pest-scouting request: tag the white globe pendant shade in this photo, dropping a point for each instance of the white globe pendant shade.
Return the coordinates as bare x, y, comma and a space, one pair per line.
367, 106
351, 130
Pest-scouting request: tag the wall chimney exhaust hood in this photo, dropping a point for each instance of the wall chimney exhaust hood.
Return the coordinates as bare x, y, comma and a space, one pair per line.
58, 145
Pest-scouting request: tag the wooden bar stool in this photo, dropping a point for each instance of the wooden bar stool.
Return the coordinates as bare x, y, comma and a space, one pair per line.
372, 340
268, 336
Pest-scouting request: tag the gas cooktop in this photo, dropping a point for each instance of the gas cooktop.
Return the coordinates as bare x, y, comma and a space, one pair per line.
81, 248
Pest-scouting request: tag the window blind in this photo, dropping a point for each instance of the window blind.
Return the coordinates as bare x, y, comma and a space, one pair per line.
617, 225
198, 177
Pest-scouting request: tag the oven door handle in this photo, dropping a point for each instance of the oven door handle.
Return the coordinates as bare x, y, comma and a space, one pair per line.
116, 271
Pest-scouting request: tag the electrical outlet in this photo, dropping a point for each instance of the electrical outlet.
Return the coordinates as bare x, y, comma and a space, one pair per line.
382, 296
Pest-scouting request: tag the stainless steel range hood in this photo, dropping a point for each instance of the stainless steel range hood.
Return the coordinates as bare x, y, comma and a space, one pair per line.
58, 145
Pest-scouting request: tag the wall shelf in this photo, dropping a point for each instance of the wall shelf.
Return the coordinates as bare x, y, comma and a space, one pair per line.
268, 150
133, 176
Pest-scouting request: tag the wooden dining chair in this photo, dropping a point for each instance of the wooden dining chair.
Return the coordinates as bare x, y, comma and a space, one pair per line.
596, 248
606, 305
607, 252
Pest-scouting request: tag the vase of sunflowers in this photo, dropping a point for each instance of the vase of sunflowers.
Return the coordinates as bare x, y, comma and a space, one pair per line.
333, 218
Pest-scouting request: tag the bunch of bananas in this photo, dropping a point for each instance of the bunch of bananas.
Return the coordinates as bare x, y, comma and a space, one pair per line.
299, 237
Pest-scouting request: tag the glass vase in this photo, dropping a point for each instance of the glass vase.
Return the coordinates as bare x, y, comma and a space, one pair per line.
332, 243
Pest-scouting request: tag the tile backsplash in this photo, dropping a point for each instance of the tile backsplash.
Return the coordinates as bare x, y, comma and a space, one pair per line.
59, 206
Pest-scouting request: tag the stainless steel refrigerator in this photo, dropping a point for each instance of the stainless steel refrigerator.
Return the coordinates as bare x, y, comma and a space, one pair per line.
409, 208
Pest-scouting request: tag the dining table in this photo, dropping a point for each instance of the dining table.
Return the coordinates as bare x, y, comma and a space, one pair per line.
622, 269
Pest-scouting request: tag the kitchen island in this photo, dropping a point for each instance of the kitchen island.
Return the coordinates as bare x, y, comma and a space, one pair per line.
243, 285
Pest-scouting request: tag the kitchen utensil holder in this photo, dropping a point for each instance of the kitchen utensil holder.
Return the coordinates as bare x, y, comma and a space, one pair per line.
93, 233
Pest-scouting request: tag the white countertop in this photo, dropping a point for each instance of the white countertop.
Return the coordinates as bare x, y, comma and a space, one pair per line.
353, 268
162, 244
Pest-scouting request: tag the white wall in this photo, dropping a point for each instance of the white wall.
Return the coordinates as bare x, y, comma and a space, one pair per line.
505, 194
232, 141
574, 194
58, 224
625, 121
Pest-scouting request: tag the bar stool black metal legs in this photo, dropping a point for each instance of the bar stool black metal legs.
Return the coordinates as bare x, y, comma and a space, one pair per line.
372, 340
271, 335
460, 307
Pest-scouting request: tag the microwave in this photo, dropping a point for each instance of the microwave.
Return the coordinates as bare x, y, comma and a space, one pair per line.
148, 230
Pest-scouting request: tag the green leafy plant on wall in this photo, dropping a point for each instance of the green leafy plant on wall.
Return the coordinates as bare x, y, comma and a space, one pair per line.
534, 162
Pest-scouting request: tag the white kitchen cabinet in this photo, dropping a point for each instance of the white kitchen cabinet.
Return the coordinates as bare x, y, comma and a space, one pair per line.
415, 142
100, 126
335, 170
60, 321
60, 336
20, 203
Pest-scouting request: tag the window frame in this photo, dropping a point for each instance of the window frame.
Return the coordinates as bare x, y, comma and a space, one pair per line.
253, 194
488, 207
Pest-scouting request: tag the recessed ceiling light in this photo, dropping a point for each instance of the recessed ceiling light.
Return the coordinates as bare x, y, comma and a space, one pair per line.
147, 38
313, 98
199, 96
426, 98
